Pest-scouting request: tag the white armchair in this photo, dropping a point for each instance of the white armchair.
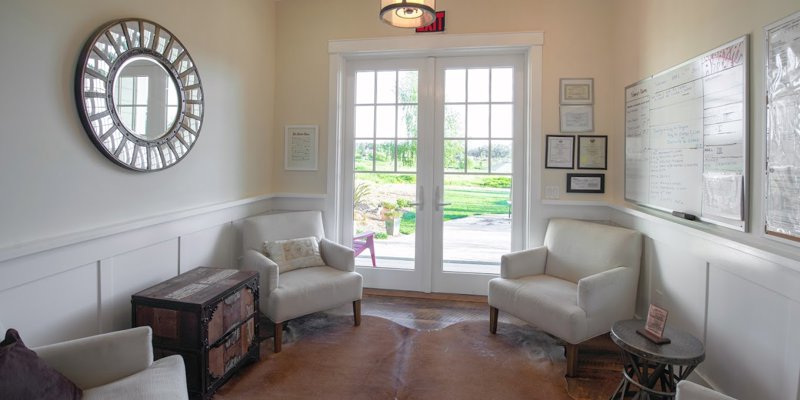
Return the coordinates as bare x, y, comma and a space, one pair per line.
582, 280
687, 390
291, 294
117, 365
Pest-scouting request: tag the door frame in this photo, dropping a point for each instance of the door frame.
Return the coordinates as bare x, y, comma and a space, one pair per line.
529, 44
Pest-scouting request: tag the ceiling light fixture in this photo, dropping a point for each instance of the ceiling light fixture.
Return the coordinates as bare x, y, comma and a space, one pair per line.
408, 13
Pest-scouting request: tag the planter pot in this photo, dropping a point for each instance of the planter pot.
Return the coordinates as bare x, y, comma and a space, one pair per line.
392, 226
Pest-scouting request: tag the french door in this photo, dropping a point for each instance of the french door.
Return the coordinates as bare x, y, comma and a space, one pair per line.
433, 155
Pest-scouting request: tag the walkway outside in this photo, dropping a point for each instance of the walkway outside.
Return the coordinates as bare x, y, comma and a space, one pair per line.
472, 244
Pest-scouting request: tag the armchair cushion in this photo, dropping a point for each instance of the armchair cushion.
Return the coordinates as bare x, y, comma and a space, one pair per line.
308, 290
542, 300
292, 254
23, 375
164, 379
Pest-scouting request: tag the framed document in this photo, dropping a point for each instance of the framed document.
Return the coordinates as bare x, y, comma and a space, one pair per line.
655, 324
577, 91
559, 152
586, 183
592, 152
577, 118
300, 148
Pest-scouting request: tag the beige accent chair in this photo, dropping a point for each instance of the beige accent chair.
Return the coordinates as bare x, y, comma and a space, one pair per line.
292, 294
117, 365
582, 280
687, 390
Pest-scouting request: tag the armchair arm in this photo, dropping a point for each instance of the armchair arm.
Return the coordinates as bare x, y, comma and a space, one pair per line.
97, 360
267, 271
608, 290
337, 256
523, 263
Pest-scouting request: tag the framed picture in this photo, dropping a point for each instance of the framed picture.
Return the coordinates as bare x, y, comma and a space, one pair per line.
654, 325
300, 148
577, 118
559, 152
586, 183
577, 91
593, 152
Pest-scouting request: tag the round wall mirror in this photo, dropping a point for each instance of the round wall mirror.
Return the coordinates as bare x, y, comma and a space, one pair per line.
139, 95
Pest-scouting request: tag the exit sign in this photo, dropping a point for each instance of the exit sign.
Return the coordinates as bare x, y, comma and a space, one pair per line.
435, 26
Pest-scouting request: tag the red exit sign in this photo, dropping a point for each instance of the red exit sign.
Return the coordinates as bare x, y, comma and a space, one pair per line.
435, 26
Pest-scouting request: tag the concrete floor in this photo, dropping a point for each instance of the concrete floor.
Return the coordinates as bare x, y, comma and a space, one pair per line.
472, 244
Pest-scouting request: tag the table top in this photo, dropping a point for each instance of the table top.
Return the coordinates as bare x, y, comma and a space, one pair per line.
198, 286
684, 349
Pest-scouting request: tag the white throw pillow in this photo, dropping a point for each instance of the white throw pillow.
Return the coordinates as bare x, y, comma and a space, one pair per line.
293, 254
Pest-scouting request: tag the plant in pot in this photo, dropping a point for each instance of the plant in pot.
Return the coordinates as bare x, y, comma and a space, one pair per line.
391, 214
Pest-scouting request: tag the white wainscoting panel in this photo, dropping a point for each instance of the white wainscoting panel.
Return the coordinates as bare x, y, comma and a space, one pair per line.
137, 270
81, 284
678, 284
752, 345
211, 247
746, 298
59, 307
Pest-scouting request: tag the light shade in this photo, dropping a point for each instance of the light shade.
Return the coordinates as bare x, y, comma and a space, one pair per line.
408, 13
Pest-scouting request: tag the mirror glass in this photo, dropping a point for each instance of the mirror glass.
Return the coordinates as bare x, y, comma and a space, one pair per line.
145, 98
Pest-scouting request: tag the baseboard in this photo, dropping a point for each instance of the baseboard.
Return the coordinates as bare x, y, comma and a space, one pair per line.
421, 295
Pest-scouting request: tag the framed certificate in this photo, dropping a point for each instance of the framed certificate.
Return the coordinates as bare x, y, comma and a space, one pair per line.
586, 183
654, 325
577, 118
592, 152
577, 91
300, 148
559, 152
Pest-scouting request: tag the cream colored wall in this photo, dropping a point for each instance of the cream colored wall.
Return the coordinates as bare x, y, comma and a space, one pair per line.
54, 181
576, 45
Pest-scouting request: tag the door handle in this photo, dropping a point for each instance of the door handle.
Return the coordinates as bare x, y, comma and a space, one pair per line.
419, 203
438, 196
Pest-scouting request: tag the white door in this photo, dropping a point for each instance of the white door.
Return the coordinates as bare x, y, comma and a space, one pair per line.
431, 148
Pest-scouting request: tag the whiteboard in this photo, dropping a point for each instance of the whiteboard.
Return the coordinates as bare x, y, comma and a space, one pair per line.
686, 137
782, 203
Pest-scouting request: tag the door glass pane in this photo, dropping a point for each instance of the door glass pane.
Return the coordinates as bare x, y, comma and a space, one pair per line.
365, 87
478, 121
456, 83
384, 222
407, 121
478, 85
455, 116
502, 84
387, 87
476, 228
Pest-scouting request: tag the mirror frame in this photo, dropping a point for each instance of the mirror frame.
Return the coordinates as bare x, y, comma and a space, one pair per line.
98, 66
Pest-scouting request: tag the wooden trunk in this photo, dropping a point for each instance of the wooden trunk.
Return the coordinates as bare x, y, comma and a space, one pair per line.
207, 315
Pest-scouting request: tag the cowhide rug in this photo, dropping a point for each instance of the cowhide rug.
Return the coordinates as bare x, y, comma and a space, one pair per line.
325, 357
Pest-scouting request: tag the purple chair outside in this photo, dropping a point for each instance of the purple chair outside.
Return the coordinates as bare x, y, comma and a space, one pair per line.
363, 241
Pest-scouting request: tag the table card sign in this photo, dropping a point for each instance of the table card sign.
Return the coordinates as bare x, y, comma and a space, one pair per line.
655, 324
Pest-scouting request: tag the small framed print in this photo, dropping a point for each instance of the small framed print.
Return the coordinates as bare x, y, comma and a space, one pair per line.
577, 91
586, 183
576, 119
300, 148
592, 152
559, 152
654, 325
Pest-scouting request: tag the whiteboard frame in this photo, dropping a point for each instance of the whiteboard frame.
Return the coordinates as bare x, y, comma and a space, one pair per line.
772, 235
739, 225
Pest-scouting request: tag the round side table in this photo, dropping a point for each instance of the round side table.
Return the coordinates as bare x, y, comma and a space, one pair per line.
652, 370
